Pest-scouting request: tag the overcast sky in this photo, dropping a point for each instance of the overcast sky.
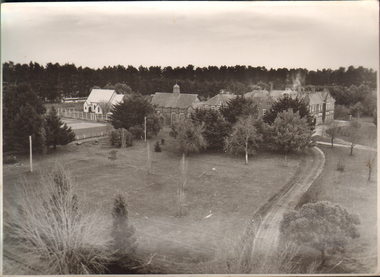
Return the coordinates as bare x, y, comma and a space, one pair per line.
312, 35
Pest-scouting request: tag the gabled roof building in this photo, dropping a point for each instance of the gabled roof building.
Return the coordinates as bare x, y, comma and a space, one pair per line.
99, 98
321, 104
176, 106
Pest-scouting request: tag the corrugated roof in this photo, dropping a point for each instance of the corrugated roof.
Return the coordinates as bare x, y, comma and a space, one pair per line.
315, 98
257, 94
219, 99
100, 95
170, 100
118, 98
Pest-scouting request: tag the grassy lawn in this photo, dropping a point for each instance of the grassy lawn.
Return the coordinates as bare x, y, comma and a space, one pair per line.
350, 189
368, 133
221, 193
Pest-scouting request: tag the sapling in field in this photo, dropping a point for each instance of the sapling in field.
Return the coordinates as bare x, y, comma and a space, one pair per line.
122, 232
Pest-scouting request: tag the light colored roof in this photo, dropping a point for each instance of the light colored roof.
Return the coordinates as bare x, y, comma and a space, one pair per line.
100, 95
219, 99
315, 98
257, 94
172, 100
118, 98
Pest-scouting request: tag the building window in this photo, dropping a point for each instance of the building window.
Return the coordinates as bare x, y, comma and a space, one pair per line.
173, 117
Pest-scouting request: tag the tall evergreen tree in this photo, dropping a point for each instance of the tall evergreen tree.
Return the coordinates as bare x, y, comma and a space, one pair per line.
27, 123
216, 128
238, 107
131, 112
57, 132
284, 104
122, 232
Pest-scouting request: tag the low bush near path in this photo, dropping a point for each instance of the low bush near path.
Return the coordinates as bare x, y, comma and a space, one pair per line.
55, 232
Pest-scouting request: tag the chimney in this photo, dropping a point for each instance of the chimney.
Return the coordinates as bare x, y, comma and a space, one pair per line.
271, 86
313, 89
176, 89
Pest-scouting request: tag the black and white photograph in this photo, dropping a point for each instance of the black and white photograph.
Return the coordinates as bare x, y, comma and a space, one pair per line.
194, 138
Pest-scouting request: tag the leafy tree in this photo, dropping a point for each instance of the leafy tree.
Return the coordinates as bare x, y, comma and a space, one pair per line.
333, 131
341, 112
369, 104
27, 123
123, 89
188, 136
245, 137
57, 132
131, 112
357, 109
15, 97
238, 107
122, 232
322, 226
121, 138
153, 125
216, 128
284, 104
289, 132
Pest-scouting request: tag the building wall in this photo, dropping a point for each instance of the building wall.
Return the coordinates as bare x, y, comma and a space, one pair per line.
171, 115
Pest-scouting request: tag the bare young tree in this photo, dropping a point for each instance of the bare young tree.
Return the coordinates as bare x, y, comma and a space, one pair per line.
353, 134
333, 131
105, 106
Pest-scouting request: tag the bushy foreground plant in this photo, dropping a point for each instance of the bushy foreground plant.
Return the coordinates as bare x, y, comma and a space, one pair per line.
323, 226
53, 230
285, 260
121, 138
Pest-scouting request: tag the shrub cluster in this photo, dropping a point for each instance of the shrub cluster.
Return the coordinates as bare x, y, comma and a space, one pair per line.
117, 135
56, 233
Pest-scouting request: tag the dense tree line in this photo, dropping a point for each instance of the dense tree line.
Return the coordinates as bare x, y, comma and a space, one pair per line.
54, 81
24, 115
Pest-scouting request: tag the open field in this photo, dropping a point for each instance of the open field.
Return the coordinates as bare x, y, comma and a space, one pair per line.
60, 105
221, 194
351, 190
86, 129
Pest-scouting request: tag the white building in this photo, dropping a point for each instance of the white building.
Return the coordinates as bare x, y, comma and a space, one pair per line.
100, 99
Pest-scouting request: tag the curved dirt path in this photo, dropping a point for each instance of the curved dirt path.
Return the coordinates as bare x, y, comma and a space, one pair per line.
267, 235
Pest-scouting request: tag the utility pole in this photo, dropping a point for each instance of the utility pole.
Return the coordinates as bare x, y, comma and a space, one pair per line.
30, 150
145, 127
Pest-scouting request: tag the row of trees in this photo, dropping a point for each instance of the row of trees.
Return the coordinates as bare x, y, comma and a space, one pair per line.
237, 128
24, 115
53, 81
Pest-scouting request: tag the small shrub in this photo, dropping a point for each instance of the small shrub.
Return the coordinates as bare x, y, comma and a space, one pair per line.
115, 138
340, 167
128, 136
112, 155
122, 233
162, 141
137, 132
10, 159
157, 147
